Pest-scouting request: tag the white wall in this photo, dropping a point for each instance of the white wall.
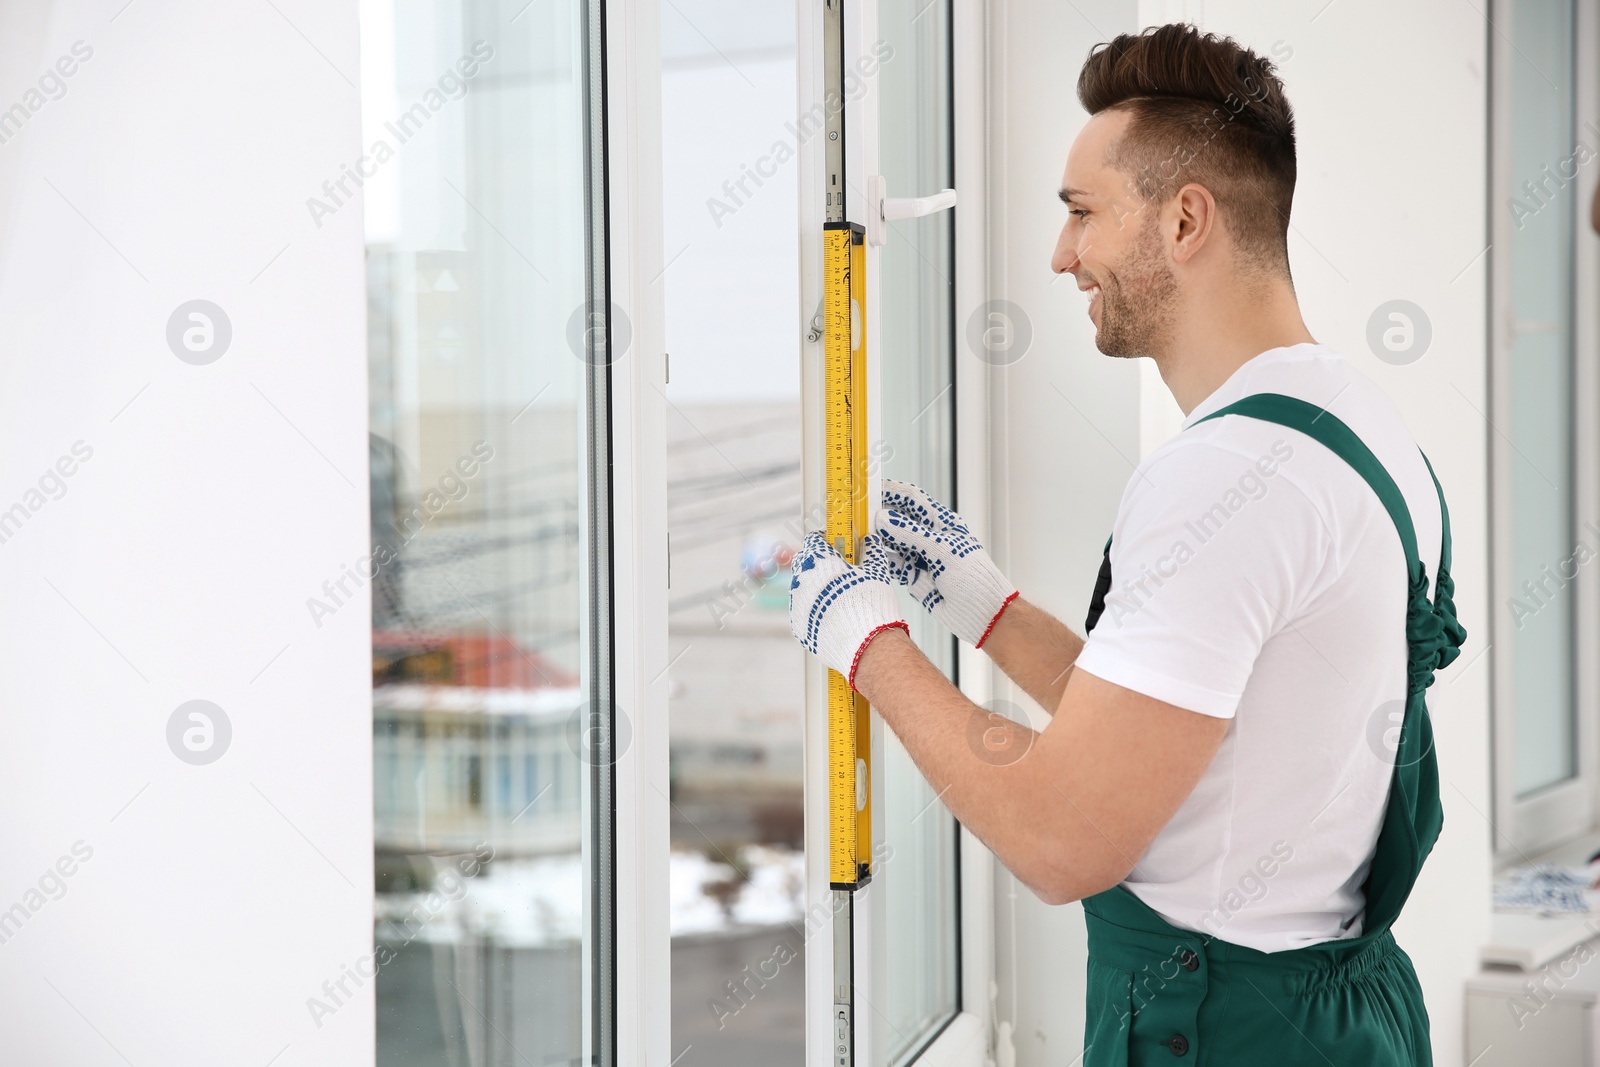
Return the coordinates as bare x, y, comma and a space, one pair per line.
1066, 443
175, 566
1391, 108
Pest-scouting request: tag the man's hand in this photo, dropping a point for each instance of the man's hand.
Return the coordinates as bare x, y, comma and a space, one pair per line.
834, 608
948, 571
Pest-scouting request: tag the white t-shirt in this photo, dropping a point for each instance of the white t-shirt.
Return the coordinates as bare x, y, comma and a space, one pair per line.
1256, 576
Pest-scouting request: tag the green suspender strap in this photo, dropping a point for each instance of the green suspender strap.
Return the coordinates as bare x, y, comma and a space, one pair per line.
1158, 993
1412, 821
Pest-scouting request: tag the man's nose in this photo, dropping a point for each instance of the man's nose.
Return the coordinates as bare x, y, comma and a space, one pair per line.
1065, 257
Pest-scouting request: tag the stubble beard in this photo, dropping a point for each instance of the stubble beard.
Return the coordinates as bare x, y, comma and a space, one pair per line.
1136, 307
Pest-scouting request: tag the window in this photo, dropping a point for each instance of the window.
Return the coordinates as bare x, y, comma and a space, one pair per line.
483, 258
1543, 466
492, 627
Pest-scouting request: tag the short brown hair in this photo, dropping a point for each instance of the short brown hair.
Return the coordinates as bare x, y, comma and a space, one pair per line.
1204, 109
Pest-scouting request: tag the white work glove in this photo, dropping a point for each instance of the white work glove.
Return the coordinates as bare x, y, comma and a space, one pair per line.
947, 569
836, 608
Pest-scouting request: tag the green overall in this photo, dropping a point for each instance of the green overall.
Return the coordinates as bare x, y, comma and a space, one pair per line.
1158, 994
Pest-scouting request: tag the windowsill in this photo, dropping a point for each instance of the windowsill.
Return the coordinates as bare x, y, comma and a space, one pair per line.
1574, 853
1527, 941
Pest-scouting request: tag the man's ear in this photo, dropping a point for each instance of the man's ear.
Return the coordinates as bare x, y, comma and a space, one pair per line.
1193, 216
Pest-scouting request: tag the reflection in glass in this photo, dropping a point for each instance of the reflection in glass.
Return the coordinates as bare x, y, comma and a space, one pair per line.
474, 188
736, 680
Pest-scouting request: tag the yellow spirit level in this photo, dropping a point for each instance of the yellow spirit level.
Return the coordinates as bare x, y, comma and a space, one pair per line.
845, 441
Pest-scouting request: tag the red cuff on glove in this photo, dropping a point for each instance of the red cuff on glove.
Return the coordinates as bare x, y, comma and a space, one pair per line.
1003, 605
851, 677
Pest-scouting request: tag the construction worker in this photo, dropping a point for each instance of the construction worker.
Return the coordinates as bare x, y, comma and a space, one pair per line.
1238, 778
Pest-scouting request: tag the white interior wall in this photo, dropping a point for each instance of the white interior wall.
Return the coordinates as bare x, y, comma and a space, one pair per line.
1390, 204
1066, 441
175, 564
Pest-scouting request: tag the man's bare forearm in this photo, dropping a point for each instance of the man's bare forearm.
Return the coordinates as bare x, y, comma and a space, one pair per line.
1035, 650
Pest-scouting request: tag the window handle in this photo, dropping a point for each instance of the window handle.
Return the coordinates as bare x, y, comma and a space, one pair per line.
882, 208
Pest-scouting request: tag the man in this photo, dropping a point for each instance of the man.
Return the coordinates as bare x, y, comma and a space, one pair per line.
1238, 778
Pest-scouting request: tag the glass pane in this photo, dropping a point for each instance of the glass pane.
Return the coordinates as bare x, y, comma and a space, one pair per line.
1542, 134
918, 410
475, 187
736, 680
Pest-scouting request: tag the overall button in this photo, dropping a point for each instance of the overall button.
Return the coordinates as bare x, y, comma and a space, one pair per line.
1190, 961
1179, 1044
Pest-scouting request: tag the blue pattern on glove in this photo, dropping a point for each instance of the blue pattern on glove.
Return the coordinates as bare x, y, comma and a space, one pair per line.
876, 565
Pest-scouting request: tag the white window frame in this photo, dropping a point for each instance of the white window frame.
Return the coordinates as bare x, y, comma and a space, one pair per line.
965, 1040
1569, 809
642, 1012
634, 172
